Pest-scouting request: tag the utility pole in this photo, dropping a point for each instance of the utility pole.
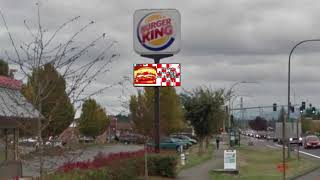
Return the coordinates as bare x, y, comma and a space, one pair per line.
284, 146
242, 110
298, 133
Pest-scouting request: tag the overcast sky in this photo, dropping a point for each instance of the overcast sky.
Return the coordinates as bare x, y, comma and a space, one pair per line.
223, 42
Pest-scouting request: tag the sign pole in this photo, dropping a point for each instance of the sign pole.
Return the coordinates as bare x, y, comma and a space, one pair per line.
157, 58
157, 118
157, 35
157, 112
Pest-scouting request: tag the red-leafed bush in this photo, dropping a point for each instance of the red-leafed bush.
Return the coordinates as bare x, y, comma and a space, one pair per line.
102, 160
124, 165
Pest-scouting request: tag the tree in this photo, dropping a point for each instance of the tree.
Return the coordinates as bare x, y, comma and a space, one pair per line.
142, 111
69, 55
4, 68
56, 106
202, 108
171, 112
93, 119
258, 124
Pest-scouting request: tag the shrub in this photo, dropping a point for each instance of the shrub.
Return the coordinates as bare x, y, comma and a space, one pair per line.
119, 166
159, 165
92, 174
96, 174
101, 160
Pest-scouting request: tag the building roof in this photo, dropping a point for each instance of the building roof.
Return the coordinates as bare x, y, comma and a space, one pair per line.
12, 103
10, 83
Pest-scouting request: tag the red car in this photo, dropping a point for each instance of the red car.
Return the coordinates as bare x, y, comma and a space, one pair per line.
311, 142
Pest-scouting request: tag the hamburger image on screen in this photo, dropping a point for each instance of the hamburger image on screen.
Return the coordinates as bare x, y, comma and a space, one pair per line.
145, 75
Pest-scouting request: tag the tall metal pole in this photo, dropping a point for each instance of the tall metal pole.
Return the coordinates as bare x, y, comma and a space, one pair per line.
289, 63
157, 59
298, 135
157, 113
289, 104
230, 90
242, 111
284, 147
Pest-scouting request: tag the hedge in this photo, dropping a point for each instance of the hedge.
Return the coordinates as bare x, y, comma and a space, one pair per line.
118, 166
162, 165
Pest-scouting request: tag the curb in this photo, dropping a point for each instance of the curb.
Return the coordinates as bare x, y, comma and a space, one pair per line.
305, 173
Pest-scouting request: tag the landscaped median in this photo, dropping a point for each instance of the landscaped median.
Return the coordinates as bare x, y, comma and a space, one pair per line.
261, 163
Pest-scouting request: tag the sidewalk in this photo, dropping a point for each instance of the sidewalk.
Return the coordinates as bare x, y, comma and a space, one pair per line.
201, 172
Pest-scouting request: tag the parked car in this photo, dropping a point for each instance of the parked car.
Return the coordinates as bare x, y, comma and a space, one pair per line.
169, 143
132, 139
28, 141
192, 141
184, 140
86, 139
54, 143
311, 141
190, 135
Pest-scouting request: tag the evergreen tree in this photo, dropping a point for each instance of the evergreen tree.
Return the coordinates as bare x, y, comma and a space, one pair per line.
46, 90
93, 119
142, 111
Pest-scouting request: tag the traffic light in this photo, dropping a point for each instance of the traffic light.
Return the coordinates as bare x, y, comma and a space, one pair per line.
292, 108
313, 110
301, 109
303, 105
274, 106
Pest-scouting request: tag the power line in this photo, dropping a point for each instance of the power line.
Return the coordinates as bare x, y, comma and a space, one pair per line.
257, 107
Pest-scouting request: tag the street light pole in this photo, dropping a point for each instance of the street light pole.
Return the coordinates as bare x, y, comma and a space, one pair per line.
230, 94
289, 81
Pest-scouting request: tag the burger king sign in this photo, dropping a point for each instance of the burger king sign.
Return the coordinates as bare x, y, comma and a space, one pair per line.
156, 31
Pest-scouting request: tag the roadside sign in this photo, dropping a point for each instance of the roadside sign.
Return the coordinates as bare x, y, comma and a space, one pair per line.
156, 31
157, 75
282, 167
230, 159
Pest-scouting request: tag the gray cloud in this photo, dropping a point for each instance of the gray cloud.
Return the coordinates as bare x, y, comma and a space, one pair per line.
223, 42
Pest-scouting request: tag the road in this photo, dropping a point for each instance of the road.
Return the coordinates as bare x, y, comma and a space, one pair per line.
315, 153
261, 142
31, 167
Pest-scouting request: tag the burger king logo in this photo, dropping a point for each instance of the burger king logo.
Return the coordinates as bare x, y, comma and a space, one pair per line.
155, 31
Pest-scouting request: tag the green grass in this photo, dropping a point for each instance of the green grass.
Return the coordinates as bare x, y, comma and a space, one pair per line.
194, 158
261, 164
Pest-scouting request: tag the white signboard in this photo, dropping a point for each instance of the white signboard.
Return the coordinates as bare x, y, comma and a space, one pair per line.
156, 31
230, 159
